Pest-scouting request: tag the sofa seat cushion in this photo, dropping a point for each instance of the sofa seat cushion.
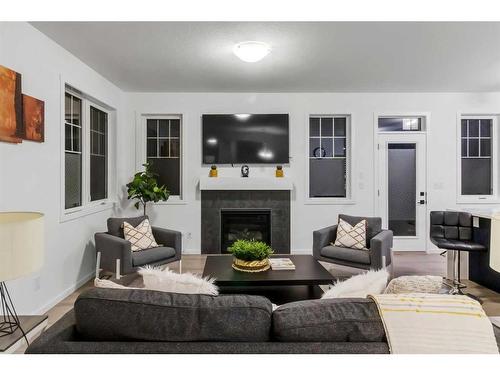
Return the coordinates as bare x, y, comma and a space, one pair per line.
329, 320
153, 255
346, 254
147, 315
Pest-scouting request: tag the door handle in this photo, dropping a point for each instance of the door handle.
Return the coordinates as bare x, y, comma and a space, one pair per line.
421, 201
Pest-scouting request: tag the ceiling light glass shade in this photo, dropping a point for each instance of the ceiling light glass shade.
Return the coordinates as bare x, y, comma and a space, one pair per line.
251, 51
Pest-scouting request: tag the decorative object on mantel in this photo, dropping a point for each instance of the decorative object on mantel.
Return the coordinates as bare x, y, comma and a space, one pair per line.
21, 253
11, 105
144, 187
33, 119
21, 116
213, 171
250, 255
279, 171
244, 170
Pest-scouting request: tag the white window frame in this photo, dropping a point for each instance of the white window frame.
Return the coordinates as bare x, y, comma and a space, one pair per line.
141, 153
478, 199
87, 207
350, 176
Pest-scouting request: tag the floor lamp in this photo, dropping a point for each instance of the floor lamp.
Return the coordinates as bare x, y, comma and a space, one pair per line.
21, 253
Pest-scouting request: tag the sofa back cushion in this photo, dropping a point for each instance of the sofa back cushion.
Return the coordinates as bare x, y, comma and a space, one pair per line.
328, 320
146, 315
373, 225
115, 224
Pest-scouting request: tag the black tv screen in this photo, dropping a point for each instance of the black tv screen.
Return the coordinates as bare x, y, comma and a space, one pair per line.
245, 139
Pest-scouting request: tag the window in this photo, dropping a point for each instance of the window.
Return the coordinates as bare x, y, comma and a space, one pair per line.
73, 151
163, 151
477, 156
98, 154
328, 156
400, 124
85, 151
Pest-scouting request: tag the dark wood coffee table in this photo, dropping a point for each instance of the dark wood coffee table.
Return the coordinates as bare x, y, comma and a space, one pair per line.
279, 286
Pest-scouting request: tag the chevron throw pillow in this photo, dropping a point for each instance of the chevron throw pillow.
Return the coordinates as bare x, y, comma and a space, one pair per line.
353, 237
141, 236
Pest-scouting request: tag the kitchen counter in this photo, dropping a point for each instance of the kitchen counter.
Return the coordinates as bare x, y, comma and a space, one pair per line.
484, 267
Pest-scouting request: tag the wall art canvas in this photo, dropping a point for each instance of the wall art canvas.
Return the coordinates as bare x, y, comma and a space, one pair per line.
11, 105
33, 119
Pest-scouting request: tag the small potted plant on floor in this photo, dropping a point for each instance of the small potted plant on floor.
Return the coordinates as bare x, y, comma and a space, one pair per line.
250, 255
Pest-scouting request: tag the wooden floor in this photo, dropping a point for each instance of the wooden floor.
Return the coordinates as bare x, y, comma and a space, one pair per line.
404, 263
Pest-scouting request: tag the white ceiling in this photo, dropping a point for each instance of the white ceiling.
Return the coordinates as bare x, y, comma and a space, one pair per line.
306, 56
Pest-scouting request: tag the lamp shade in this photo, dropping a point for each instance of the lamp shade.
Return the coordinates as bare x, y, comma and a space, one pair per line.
21, 244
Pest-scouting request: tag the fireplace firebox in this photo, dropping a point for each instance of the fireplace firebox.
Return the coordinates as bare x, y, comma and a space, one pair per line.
238, 224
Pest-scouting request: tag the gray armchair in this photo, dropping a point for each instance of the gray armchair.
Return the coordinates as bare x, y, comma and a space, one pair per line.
112, 246
379, 244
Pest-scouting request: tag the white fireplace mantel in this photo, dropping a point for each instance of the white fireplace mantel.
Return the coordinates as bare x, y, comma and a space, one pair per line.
245, 183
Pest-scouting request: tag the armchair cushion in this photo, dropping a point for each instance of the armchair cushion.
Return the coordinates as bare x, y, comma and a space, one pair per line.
373, 225
346, 254
115, 224
153, 255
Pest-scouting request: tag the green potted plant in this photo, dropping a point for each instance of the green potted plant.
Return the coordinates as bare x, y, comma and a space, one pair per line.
144, 188
250, 255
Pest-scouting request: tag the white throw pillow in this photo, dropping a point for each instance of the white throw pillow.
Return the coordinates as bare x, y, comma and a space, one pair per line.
359, 286
141, 237
353, 237
415, 284
169, 281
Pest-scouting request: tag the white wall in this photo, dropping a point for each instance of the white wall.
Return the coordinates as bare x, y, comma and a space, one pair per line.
30, 172
443, 109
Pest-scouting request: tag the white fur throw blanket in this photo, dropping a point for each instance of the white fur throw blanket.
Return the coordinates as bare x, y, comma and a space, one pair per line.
359, 286
419, 323
168, 281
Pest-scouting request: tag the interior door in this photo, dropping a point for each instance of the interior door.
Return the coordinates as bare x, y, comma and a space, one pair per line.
401, 196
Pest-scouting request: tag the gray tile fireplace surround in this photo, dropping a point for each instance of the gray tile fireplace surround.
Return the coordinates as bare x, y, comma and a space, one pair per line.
213, 201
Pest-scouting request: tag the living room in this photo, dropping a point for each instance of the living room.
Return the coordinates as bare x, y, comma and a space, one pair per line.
260, 137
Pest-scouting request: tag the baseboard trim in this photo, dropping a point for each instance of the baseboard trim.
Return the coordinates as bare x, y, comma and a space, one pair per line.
191, 251
301, 252
54, 301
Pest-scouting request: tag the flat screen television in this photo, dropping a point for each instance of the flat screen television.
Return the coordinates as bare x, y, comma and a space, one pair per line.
245, 139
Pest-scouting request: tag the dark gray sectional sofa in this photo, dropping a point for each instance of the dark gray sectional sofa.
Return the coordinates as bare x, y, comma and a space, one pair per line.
143, 321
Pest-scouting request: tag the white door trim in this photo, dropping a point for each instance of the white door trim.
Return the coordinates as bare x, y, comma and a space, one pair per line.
376, 167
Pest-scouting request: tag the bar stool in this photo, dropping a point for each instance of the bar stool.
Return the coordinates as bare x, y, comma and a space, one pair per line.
452, 231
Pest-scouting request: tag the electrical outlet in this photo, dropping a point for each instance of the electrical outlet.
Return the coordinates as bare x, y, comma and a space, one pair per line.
188, 235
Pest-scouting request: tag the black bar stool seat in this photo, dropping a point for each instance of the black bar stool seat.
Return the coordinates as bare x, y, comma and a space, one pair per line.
452, 231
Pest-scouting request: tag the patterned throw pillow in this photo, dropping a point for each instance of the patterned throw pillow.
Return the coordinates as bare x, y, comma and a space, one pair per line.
141, 237
353, 237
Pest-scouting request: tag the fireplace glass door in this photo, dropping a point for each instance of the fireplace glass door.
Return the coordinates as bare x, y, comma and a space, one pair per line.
244, 224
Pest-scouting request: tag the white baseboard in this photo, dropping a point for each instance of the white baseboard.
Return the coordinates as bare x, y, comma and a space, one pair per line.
301, 252
191, 251
54, 301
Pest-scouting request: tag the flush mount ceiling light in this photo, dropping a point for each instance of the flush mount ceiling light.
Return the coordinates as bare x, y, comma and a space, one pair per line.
251, 51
